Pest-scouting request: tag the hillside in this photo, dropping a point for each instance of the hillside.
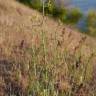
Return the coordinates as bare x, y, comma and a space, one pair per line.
21, 28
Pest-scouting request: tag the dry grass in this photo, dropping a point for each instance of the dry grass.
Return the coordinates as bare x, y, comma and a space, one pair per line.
45, 60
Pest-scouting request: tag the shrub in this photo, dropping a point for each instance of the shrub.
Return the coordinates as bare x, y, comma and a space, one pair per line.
73, 16
36, 4
60, 13
27, 2
91, 23
65, 15
49, 7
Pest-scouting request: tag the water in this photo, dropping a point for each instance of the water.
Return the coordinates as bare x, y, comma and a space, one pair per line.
84, 5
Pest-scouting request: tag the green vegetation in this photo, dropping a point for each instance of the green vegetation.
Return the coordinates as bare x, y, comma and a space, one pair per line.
91, 23
65, 15
36, 4
73, 16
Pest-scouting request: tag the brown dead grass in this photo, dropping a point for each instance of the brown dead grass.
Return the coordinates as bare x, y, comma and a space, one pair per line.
18, 32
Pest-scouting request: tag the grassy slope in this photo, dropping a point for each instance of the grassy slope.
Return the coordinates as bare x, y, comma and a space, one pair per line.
18, 32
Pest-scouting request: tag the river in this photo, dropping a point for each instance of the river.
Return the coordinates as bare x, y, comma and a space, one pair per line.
84, 5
